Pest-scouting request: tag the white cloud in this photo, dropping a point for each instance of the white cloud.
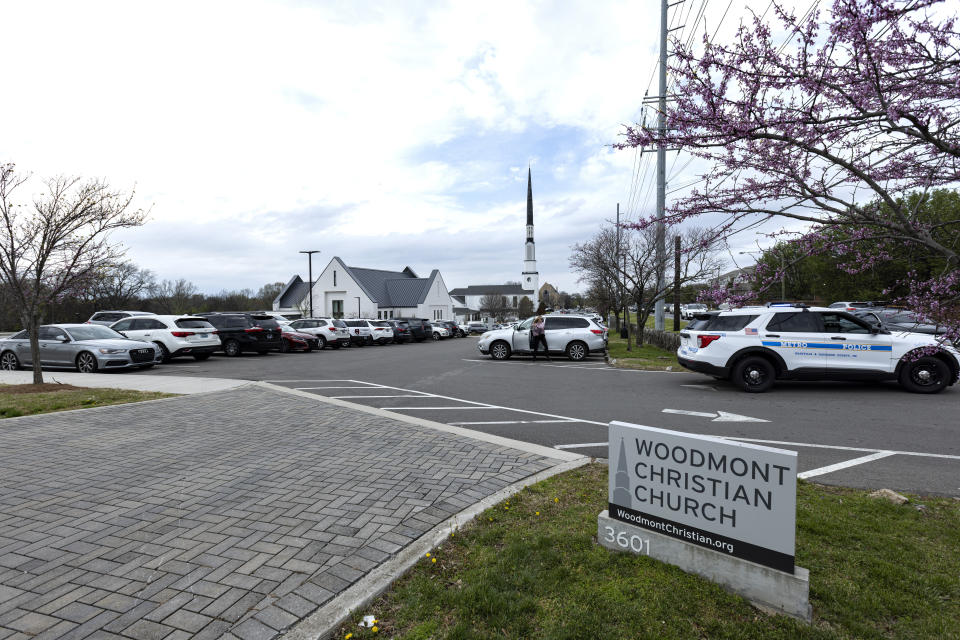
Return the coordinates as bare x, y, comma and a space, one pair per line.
238, 121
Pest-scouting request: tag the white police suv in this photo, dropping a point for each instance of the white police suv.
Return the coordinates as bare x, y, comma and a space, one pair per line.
755, 346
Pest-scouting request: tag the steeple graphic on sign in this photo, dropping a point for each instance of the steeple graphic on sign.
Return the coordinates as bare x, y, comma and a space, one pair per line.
621, 489
530, 277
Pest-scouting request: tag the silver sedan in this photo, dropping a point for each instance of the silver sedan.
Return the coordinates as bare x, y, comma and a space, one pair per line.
86, 347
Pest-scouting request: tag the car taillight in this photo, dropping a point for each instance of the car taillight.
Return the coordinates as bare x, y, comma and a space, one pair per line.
183, 334
703, 341
214, 332
334, 329
597, 332
254, 329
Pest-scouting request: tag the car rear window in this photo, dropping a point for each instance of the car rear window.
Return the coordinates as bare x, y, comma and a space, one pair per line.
727, 323
355, 323
380, 324
266, 322
339, 323
192, 323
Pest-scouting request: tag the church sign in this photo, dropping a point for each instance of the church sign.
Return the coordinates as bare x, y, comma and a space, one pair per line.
734, 498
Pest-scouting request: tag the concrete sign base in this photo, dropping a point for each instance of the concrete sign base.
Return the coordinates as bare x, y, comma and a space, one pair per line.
765, 587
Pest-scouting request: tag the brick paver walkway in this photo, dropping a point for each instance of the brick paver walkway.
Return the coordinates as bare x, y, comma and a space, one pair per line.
237, 513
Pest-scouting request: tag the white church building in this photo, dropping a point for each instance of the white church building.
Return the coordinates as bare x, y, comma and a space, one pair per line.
341, 291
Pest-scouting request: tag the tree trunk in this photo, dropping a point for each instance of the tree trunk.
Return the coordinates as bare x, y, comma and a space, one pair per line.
33, 329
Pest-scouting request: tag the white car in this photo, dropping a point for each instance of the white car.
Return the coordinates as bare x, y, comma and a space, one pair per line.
755, 346
330, 331
687, 311
361, 332
576, 336
439, 331
382, 331
174, 335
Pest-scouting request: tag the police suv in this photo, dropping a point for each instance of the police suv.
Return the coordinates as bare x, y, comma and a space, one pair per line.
754, 346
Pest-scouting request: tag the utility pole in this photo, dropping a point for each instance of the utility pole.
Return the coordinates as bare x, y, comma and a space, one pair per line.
616, 263
676, 283
310, 275
661, 170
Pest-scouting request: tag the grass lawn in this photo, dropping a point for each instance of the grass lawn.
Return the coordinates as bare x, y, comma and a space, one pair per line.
28, 399
530, 568
644, 357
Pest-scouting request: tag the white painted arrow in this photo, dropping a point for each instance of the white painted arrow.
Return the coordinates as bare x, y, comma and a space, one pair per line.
719, 416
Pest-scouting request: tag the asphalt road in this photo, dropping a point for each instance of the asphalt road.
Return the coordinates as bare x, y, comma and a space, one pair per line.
866, 435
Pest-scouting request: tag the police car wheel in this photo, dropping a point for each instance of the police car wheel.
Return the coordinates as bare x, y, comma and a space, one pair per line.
754, 375
925, 375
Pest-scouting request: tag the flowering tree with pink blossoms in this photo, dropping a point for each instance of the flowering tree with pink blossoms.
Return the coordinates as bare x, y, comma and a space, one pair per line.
840, 128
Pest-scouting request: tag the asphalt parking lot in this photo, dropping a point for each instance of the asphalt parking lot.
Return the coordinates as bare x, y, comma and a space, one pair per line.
865, 435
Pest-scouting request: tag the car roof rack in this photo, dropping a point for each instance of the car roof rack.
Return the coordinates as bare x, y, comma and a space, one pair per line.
798, 305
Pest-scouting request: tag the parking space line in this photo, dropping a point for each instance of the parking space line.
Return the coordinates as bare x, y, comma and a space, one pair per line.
349, 397
430, 408
494, 406
354, 387
841, 448
318, 380
844, 465
512, 422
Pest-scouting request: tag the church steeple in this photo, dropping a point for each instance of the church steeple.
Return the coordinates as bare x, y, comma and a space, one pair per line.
530, 278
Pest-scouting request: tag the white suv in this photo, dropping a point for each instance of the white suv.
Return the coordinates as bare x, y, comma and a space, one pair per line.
329, 331
755, 346
173, 335
576, 336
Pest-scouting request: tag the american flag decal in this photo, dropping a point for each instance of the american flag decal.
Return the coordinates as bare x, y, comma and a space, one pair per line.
750, 331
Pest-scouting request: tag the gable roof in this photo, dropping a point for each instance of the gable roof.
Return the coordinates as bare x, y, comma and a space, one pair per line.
484, 289
295, 291
385, 288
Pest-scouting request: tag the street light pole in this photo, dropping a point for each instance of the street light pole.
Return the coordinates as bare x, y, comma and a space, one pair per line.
310, 275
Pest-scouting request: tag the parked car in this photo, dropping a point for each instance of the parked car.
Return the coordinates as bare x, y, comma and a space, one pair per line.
297, 341
329, 331
687, 311
899, 320
241, 332
174, 335
382, 331
451, 327
478, 327
575, 335
86, 347
419, 327
464, 328
361, 333
439, 331
401, 331
107, 318
853, 306
756, 346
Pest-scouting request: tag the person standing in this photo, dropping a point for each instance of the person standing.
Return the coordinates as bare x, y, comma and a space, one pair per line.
538, 336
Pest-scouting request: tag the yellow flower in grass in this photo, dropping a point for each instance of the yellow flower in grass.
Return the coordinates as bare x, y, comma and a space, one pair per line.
374, 629
433, 560
428, 554
556, 499
348, 636
538, 513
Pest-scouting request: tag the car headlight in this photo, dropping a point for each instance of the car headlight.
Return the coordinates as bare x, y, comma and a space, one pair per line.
107, 351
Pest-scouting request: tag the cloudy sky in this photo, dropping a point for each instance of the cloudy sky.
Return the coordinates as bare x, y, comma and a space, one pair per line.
387, 133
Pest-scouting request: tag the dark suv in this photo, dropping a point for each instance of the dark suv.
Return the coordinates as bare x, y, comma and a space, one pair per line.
401, 331
419, 327
246, 332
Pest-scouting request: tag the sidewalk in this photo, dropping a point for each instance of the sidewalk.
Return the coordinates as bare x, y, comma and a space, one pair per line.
122, 380
244, 513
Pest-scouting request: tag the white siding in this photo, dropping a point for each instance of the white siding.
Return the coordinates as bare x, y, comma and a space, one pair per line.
438, 305
346, 291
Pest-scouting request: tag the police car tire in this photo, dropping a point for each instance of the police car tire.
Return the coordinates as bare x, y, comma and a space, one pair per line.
744, 378
937, 376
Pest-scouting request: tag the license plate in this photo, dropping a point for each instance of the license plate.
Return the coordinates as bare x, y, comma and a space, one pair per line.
268, 336
203, 335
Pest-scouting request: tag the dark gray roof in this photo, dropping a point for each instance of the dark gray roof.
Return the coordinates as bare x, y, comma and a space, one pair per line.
464, 310
386, 288
484, 289
295, 291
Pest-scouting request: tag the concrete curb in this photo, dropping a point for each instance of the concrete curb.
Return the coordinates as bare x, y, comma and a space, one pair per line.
321, 624
182, 385
540, 450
